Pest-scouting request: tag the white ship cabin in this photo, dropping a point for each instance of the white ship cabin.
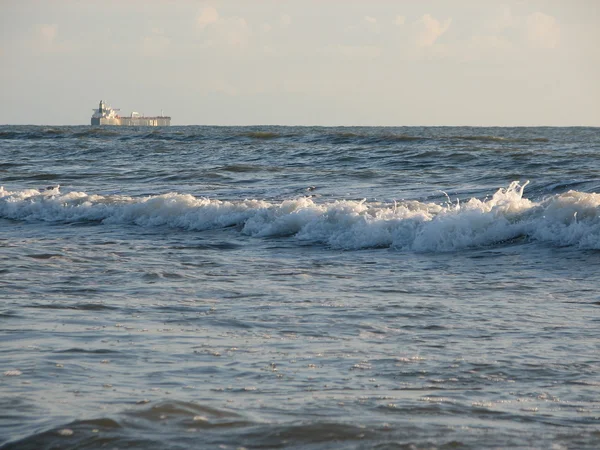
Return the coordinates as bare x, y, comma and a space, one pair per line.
105, 112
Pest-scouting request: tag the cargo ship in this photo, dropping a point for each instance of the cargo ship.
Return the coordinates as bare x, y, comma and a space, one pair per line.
105, 115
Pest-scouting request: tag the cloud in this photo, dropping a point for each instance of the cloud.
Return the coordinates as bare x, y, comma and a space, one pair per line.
207, 16
430, 30
232, 31
399, 20
543, 31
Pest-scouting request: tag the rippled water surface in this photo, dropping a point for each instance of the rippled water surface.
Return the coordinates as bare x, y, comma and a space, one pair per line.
282, 287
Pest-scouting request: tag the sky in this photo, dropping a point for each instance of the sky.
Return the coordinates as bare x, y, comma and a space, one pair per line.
303, 62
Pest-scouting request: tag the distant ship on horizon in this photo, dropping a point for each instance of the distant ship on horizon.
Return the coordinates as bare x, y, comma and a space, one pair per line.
105, 115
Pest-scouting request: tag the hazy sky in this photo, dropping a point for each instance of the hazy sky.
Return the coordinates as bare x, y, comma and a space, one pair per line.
303, 62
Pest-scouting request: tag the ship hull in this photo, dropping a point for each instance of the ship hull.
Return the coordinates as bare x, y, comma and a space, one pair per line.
132, 121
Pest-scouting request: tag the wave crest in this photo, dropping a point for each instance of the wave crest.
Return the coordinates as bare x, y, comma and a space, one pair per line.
571, 218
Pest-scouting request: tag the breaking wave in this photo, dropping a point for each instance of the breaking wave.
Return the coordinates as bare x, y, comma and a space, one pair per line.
568, 219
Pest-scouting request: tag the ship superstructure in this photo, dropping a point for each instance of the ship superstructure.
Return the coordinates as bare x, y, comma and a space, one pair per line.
105, 115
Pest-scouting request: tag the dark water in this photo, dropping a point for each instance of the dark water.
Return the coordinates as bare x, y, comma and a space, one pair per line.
282, 287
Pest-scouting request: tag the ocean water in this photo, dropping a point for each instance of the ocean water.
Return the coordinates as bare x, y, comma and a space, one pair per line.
299, 287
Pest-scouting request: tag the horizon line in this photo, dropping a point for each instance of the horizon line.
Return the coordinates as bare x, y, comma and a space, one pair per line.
298, 126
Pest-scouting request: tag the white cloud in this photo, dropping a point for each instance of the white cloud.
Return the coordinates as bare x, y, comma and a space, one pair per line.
231, 31
207, 16
543, 30
399, 20
430, 29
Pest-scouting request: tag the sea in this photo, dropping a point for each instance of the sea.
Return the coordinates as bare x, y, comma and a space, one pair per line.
273, 287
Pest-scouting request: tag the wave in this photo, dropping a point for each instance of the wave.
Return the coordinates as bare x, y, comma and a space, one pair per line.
166, 425
41, 133
97, 132
183, 424
567, 219
371, 137
368, 138
261, 135
485, 138
305, 135
35, 133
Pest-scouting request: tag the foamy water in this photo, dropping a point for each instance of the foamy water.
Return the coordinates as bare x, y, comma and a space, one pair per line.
281, 287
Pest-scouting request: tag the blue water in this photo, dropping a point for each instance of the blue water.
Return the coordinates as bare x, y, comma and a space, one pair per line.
298, 287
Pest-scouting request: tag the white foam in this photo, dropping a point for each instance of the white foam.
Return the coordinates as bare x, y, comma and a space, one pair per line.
570, 219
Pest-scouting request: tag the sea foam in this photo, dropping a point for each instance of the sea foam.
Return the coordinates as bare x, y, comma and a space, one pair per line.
568, 219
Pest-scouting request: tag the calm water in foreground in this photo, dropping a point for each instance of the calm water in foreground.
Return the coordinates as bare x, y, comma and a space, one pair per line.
283, 287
